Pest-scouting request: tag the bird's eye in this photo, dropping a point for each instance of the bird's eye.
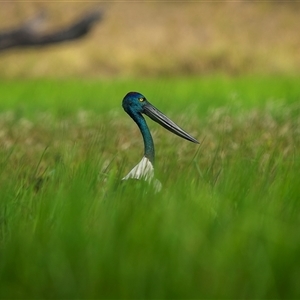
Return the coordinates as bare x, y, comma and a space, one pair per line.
141, 99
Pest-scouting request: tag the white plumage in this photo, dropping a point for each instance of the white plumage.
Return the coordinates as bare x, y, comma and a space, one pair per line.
144, 170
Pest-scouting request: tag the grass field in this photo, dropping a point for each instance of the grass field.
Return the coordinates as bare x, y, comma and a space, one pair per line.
225, 225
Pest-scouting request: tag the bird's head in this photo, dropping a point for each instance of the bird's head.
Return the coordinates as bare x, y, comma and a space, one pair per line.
136, 104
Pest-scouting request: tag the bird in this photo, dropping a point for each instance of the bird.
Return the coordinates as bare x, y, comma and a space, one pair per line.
135, 105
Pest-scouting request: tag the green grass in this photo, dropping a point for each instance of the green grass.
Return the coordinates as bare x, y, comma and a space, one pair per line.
225, 225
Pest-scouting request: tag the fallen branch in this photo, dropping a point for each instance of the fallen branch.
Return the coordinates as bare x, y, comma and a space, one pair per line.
28, 36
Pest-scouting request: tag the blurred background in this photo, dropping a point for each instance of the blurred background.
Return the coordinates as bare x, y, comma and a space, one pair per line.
157, 38
226, 224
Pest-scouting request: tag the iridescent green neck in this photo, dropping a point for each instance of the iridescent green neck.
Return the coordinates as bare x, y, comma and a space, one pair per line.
148, 141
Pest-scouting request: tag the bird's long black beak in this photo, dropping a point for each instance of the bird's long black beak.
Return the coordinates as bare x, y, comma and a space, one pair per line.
157, 116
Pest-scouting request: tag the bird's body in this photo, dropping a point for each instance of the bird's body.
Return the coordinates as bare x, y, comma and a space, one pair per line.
143, 170
135, 104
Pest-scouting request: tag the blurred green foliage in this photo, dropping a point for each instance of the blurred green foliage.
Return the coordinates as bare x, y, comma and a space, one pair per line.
225, 225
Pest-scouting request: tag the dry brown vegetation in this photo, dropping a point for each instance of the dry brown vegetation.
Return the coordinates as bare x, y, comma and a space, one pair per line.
153, 38
250, 135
